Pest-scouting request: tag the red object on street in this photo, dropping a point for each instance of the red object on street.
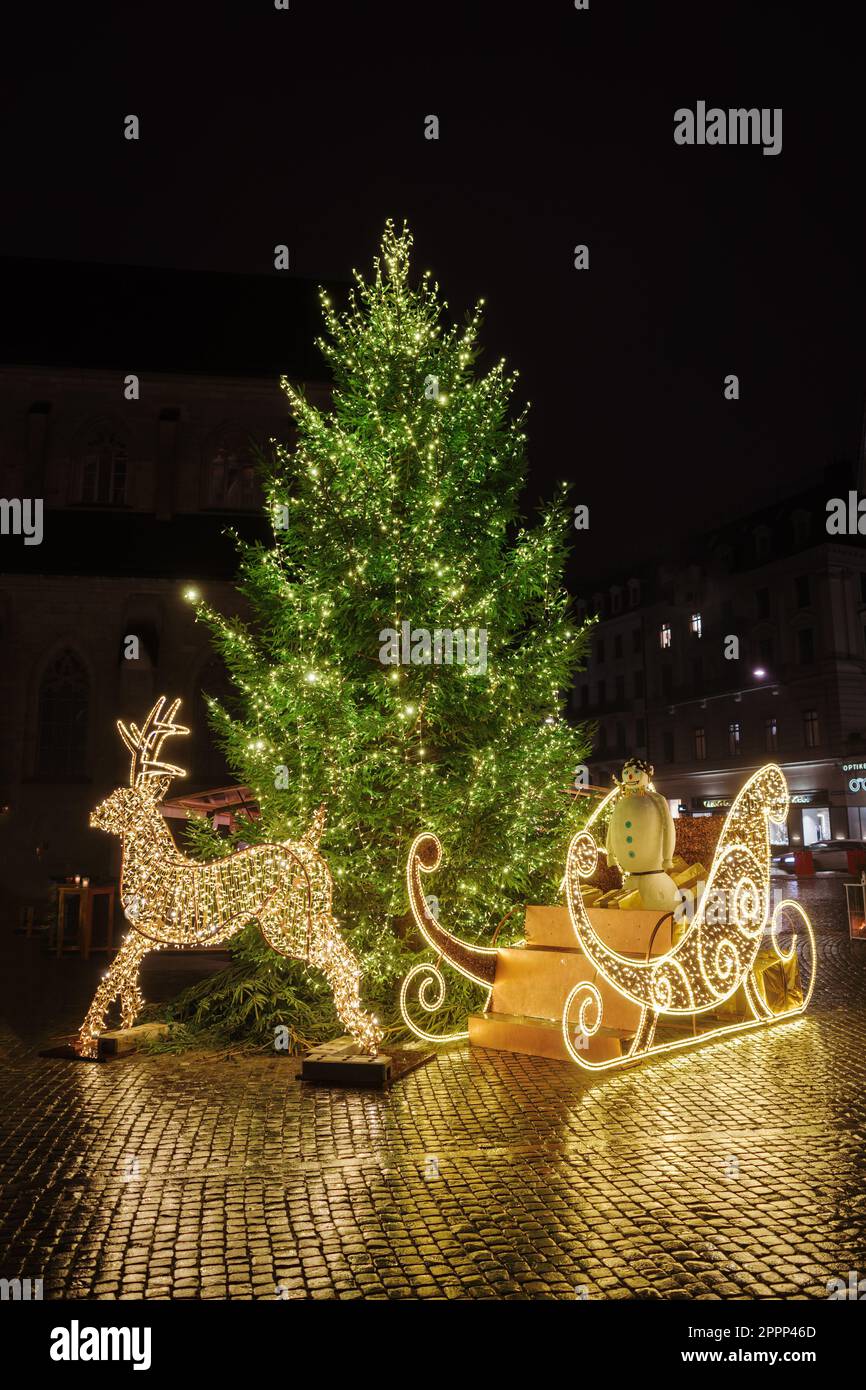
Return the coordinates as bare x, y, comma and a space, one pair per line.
856, 862
804, 863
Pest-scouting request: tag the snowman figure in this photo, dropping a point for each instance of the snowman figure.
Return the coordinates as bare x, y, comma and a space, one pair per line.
641, 838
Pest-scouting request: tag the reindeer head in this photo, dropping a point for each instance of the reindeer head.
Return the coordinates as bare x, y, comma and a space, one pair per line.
149, 778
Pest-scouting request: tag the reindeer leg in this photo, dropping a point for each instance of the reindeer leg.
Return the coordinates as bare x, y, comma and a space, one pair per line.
120, 979
330, 954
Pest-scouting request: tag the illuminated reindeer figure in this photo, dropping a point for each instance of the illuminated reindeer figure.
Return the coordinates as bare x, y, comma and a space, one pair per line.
171, 900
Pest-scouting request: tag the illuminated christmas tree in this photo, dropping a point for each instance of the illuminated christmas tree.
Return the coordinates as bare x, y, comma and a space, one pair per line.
410, 644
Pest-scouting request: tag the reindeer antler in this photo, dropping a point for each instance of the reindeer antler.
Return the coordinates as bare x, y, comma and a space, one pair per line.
145, 744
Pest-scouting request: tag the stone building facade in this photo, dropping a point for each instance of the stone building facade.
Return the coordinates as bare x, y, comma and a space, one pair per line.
663, 681
137, 496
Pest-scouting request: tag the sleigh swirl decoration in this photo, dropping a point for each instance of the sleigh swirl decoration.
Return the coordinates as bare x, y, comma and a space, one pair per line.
692, 984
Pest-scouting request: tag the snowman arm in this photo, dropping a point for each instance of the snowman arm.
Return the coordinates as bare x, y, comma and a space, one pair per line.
608, 847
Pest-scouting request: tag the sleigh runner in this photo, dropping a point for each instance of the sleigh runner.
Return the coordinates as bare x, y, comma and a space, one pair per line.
606, 987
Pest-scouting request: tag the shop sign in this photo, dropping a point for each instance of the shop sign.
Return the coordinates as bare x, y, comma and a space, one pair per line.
808, 798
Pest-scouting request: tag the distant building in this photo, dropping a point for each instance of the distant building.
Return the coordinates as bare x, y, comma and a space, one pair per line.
138, 495
660, 686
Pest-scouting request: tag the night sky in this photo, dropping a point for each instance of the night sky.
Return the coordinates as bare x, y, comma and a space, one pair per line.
306, 127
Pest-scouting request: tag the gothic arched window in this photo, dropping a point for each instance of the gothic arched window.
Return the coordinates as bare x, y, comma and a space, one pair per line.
64, 697
103, 468
231, 474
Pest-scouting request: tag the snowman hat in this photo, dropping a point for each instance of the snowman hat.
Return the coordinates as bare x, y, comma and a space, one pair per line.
640, 765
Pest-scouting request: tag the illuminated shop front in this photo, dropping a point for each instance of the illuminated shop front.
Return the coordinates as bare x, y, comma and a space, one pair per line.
815, 814
854, 774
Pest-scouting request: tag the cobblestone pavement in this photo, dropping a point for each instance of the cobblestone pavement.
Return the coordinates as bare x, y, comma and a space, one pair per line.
737, 1171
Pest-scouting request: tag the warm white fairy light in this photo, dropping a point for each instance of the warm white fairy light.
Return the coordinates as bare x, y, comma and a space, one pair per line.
171, 900
476, 963
714, 958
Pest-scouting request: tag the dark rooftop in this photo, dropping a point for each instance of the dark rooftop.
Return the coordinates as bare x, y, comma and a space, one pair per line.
138, 318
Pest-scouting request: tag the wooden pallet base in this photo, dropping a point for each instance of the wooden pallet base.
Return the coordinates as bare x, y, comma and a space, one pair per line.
118, 1042
342, 1063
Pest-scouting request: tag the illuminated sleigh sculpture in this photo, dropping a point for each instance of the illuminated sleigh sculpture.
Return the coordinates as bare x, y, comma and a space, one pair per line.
171, 900
674, 999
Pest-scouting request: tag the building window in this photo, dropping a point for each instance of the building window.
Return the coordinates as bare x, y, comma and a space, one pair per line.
231, 477
804, 590
599, 651
665, 635
734, 743
620, 737
103, 470
600, 696
602, 737
771, 735
635, 640
765, 651
762, 542
640, 733
584, 696
695, 626
633, 593
620, 690
811, 728
638, 684
668, 746
805, 646
617, 645
667, 681
762, 597
615, 600
700, 744
61, 739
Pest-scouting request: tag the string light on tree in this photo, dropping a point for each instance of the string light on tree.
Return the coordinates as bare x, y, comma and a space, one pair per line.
406, 506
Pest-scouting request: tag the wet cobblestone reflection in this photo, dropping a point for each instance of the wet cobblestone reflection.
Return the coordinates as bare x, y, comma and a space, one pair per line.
734, 1172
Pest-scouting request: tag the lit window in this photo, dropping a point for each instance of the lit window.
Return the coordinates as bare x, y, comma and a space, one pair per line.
696, 625
811, 728
734, 738
665, 634
700, 744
